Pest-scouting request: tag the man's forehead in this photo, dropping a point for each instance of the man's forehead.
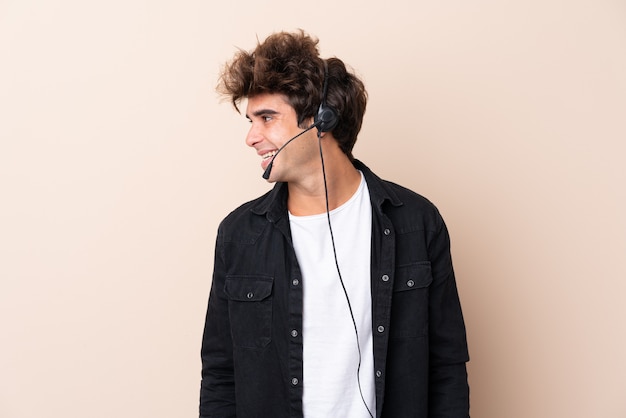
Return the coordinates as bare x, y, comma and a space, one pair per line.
267, 102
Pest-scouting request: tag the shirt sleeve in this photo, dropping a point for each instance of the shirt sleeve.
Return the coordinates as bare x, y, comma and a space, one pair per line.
217, 390
448, 386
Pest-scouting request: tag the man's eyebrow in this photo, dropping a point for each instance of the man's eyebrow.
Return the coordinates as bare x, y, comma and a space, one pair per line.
263, 112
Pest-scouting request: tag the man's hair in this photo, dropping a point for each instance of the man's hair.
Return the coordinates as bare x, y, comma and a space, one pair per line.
289, 64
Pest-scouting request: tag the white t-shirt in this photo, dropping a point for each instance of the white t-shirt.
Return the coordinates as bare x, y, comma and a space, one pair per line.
331, 354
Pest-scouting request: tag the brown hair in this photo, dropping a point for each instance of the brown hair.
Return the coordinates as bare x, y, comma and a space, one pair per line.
289, 64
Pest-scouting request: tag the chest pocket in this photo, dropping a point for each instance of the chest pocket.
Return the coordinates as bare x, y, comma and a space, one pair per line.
250, 310
409, 305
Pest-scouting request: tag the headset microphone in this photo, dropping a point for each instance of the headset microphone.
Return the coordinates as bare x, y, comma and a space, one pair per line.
268, 170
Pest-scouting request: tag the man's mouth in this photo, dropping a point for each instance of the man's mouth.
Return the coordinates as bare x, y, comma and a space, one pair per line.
268, 155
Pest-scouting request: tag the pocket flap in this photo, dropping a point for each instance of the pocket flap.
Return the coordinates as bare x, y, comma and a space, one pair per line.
248, 288
412, 276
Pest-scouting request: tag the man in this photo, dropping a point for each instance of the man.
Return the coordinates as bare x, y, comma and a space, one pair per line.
333, 295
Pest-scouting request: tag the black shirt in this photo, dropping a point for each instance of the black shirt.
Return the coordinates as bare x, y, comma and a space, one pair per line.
251, 356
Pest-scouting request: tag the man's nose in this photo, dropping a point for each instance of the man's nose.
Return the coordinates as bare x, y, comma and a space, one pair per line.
253, 136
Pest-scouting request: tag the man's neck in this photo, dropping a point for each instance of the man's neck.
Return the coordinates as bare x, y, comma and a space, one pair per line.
309, 198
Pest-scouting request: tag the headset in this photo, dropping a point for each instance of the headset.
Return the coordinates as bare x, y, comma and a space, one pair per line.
326, 118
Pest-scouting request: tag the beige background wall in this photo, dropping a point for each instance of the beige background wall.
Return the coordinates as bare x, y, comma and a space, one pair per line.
117, 162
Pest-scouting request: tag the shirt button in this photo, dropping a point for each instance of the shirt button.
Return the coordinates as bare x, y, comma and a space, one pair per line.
381, 328
250, 295
294, 381
410, 283
387, 231
295, 282
294, 333
385, 278
378, 373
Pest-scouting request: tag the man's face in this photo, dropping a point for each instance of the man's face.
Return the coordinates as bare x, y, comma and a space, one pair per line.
273, 123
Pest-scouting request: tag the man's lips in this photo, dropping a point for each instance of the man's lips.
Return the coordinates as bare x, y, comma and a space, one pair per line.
266, 157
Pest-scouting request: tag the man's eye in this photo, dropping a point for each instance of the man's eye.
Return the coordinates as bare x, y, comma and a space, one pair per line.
267, 118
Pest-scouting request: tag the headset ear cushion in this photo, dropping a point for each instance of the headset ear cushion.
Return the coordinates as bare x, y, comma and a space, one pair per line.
327, 118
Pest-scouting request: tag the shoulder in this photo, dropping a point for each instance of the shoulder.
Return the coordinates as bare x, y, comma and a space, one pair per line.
414, 209
407, 209
410, 197
243, 221
243, 210
392, 198
253, 216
